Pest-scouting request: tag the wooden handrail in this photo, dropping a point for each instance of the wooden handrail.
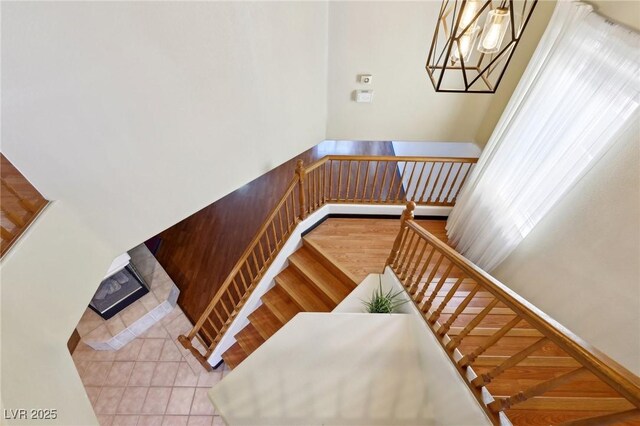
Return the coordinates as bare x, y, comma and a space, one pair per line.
621, 380
608, 370
315, 186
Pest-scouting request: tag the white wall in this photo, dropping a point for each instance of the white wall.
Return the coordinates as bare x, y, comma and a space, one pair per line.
135, 115
390, 40
581, 263
47, 281
129, 104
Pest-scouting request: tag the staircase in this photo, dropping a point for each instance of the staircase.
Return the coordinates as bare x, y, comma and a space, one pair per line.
310, 283
20, 202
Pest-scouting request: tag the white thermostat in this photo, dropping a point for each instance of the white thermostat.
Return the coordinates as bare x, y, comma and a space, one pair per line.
364, 95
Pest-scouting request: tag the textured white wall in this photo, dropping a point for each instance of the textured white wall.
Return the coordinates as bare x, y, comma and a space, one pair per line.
135, 115
391, 41
159, 107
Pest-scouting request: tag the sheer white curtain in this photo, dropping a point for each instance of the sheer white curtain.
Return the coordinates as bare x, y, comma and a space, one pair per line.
579, 90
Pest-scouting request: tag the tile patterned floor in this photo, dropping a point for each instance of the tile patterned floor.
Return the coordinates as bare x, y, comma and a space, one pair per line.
151, 381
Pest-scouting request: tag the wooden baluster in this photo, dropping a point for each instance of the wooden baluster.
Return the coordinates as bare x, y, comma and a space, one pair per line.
502, 404
413, 169
447, 325
207, 334
268, 243
486, 378
300, 171
316, 193
245, 286
264, 259
324, 182
346, 196
444, 182
401, 181
366, 182
435, 184
434, 316
405, 271
464, 179
407, 214
215, 311
282, 227
375, 181
415, 190
416, 283
256, 263
416, 264
492, 340
330, 179
224, 306
454, 342
394, 172
399, 264
426, 184
453, 182
276, 243
235, 286
427, 305
288, 212
316, 187
339, 179
427, 283
384, 179
355, 189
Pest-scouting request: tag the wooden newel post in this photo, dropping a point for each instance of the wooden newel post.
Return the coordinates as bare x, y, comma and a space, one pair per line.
300, 171
407, 214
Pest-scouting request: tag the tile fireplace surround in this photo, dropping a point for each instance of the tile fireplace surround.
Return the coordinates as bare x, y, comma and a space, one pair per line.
135, 319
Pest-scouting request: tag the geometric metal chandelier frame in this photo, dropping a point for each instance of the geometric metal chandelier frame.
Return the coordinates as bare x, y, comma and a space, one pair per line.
473, 43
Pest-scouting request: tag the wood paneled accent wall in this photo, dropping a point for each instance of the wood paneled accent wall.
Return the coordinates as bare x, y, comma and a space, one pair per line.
199, 252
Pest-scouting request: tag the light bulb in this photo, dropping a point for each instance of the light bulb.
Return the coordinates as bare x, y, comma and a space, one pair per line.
494, 30
468, 13
467, 41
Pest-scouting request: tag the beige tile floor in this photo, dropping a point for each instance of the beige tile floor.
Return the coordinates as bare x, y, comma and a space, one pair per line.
150, 381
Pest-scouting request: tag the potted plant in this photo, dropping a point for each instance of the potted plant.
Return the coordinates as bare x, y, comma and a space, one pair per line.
383, 303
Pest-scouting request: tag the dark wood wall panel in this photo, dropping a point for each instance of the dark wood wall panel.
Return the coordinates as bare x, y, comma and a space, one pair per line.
199, 252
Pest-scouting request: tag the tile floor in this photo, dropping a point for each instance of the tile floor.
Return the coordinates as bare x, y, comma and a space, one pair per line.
150, 381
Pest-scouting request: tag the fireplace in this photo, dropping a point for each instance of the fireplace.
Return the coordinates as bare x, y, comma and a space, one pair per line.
119, 289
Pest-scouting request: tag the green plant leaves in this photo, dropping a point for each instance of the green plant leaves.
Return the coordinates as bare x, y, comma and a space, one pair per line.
383, 303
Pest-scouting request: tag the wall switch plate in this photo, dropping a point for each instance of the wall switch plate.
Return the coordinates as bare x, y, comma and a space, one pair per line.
364, 96
365, 78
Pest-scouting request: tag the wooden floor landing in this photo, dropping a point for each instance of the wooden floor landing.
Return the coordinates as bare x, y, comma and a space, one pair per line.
361, 246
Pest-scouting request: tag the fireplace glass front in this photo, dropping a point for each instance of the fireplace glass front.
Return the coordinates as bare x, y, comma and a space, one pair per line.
118, 291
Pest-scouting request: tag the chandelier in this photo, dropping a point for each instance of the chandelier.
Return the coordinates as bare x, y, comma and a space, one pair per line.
473, 43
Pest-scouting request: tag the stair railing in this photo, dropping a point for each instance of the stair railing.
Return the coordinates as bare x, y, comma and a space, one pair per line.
432, 272
334, 179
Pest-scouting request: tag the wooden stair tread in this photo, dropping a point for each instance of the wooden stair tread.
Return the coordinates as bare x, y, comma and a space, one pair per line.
249, 338
301, 291
329, 262
531, 361
265, 321
305, 263
234, 355
559, 403
280, 304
